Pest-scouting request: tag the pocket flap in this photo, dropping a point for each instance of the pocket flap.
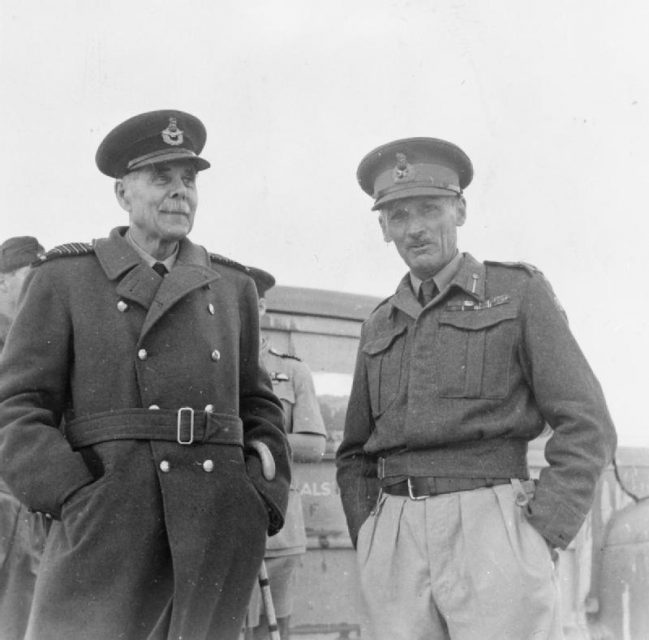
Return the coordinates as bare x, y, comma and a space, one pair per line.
382, 342
475, 320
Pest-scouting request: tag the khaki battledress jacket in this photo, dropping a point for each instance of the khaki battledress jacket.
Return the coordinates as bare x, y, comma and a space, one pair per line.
293, 385
127, 404
459, 388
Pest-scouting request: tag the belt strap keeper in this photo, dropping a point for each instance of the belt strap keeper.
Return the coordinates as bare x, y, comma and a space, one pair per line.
185, 426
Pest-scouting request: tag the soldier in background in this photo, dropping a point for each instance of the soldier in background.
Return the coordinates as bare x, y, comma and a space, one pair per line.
22, 534
293, 385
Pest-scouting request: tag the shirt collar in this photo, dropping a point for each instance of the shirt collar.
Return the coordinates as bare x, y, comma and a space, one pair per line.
442, 278
148, 258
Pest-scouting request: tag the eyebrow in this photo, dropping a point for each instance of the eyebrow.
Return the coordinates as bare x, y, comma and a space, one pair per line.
164, 167
429, 202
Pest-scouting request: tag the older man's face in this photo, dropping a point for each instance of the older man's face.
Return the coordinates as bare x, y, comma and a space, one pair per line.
424, 230
161, 200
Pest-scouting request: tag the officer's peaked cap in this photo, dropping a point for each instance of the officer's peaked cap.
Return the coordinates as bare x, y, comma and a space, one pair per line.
414, 167
18, 252
263, 280
148, 138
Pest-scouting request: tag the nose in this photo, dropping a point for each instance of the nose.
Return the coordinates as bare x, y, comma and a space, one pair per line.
416, 225
178, 188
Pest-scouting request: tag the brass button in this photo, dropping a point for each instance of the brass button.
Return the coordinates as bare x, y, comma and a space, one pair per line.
142, 354
208, 466
209, 408
216, 355
210, 308
154, 407
122, 306
165, 466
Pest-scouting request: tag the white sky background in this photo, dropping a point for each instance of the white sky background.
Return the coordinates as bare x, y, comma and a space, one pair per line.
549, 99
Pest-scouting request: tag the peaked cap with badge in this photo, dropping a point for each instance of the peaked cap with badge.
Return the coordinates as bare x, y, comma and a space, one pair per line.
148, 138
19, 252
414, 167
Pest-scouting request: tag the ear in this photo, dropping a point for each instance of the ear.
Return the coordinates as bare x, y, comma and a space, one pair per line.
121, 195
3, 283
384, 227
460, 215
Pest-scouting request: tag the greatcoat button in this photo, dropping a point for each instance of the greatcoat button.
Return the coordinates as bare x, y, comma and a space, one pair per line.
210, 308
154, 407
165, 466
208, 466
209, 408
122, 306
216, 355
142, 354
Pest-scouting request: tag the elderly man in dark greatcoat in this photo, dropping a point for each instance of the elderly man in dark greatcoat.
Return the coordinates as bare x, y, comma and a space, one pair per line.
134, 412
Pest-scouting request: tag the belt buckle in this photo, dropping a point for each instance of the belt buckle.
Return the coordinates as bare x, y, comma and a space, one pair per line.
411, 493
179, 422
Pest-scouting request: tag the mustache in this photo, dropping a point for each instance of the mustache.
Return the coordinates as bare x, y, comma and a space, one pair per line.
418, 242
175, 207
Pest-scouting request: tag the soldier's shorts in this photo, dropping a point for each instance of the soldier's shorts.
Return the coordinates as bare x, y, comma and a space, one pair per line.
464, 566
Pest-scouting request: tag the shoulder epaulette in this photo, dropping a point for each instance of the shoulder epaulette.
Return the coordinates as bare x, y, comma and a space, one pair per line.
532, 271
380, 304
71, 249
526, 266
279, 354
215, 257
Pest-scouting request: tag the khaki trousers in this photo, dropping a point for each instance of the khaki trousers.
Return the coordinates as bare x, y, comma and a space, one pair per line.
459, 566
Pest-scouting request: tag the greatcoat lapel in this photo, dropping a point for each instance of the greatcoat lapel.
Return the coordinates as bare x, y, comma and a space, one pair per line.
191, 271
144, 286
139, 285
181, 280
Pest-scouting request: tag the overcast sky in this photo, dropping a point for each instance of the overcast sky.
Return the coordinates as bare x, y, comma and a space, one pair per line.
549, 99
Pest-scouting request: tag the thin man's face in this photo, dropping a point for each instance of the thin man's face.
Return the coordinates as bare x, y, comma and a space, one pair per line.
424, 231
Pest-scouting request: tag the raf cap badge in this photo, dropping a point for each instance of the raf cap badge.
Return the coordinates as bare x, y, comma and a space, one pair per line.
172, 134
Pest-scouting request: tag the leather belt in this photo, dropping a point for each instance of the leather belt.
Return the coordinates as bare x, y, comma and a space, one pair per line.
185, 426
420, 488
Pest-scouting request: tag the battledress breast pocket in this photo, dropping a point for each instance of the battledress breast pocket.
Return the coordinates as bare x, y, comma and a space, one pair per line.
476, 348
384, 357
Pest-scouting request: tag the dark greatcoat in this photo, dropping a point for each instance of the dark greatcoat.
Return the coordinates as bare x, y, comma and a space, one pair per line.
151, 538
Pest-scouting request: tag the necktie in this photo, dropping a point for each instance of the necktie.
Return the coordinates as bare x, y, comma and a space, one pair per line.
427, 291
160, 269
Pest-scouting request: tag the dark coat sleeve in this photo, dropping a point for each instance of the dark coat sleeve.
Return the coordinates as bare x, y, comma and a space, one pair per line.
356, 471
36, 461
571, 401
262, 416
